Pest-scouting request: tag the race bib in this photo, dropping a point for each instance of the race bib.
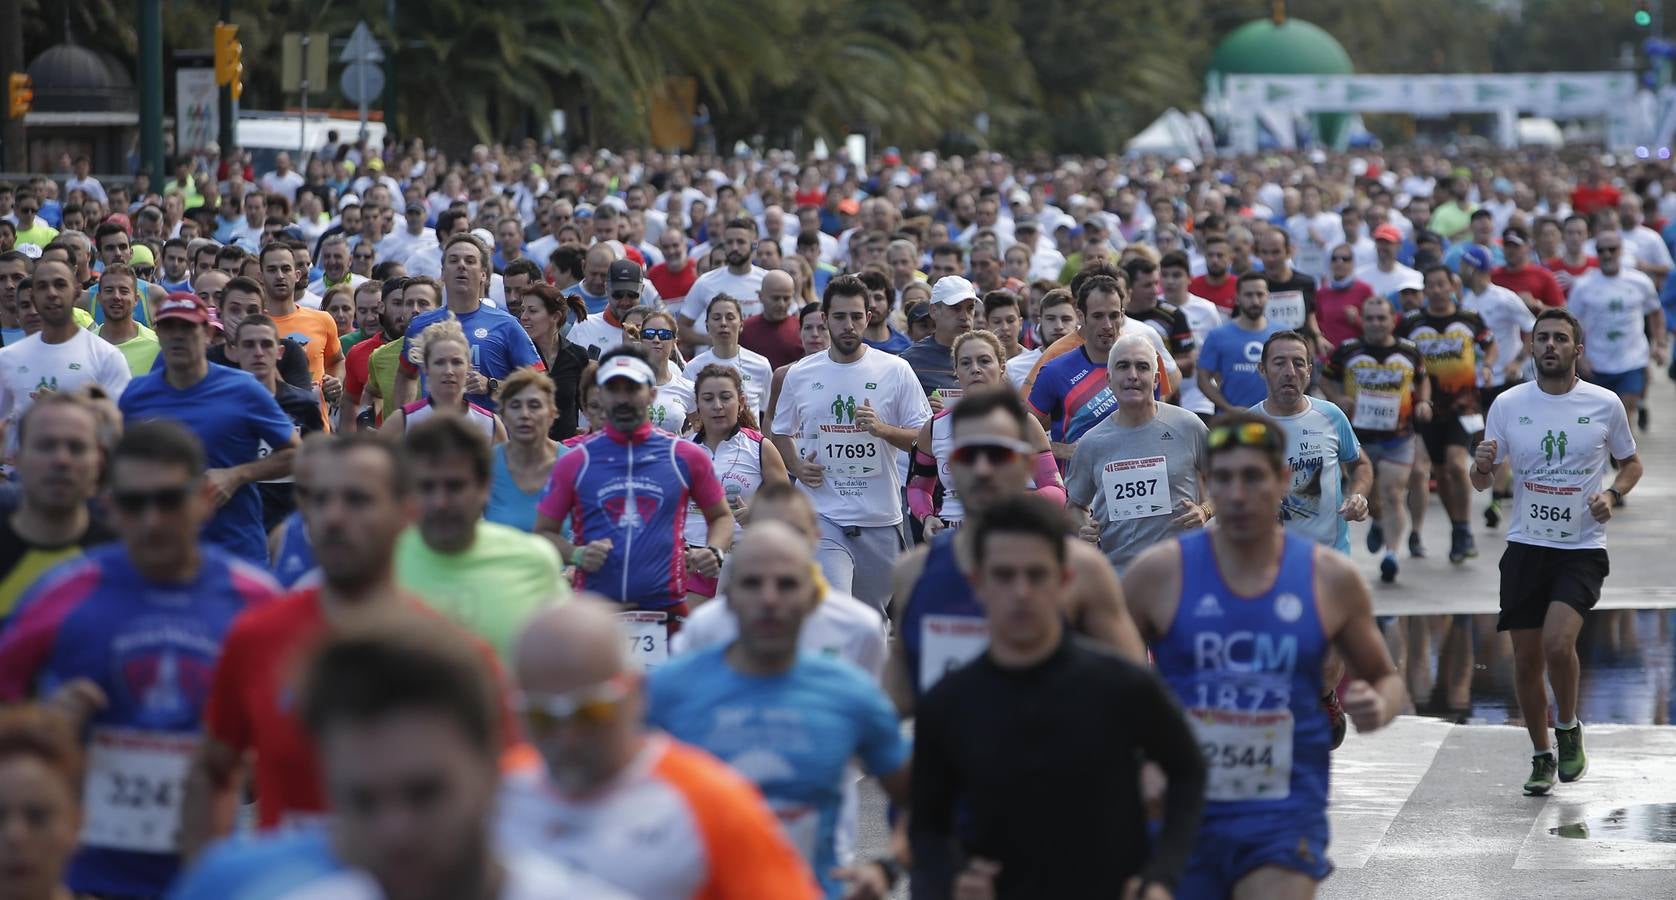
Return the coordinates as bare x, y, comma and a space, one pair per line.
1248, 755
1472, 424
647, 633
1376, 411
1136, 488
946, 643
1286, 310
133, 788
1553, 512
802, 825
849, 451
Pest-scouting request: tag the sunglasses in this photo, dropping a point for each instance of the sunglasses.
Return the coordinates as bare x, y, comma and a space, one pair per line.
1245, 434
1342, 259
594, 705
657, 334
619, 295
995, 451
29, 209
163, 499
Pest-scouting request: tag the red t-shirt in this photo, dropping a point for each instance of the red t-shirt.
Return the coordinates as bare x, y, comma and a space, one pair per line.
1565, 273
1220, 294
355, 365
1330, 305
252, 704
1586, 199
673, 286
1534, 280
780, 342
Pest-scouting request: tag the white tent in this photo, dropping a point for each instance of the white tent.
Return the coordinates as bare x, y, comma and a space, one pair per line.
1174, 134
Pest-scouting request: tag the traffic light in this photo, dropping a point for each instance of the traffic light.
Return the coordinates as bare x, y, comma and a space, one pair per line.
229, 58
1644, 14
20, 95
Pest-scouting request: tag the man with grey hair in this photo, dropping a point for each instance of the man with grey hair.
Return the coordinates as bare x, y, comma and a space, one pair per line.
1136, 475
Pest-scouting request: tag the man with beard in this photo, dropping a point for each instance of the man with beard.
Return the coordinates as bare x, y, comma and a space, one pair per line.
62, 356
418, 295
739, 278
880, 300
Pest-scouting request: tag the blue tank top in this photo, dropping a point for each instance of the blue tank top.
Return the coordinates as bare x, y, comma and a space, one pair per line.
296, 553
1248, 672
942, 625
509, 504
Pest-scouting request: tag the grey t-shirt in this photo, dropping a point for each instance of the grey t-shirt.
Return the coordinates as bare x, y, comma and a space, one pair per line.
1174, 442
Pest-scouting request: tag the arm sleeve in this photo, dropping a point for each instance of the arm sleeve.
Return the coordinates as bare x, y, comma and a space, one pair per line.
933, 789
1620, 441
786, 421
1046, 471
561, 486
921, 483
1044, 395
1551, 293
1348, 447
1167, 739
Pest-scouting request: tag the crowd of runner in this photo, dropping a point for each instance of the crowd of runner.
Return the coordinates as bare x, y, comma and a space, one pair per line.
538, 525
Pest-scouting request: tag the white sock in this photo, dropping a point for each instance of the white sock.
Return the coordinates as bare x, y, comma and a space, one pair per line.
1565, 726
1549, 751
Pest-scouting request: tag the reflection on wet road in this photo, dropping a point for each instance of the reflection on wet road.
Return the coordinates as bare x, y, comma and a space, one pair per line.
1459, 668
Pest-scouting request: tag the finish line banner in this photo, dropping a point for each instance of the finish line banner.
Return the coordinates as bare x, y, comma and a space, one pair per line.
1558, 95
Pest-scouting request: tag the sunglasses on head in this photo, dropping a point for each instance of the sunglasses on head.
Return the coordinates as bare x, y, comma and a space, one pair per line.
657, 334
994, 450
1245, 434
163, 499
595, 705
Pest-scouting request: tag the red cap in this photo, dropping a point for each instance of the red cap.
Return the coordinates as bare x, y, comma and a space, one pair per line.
182, 305
1387, 233
120, 219
848, 206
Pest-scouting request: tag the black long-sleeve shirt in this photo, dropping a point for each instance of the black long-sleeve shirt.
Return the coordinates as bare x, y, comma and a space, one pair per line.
1042, 765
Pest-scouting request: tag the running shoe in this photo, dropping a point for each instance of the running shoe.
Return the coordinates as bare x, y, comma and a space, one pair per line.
1641, 418
1471, 546
1542, 775
1415, 548
1574, 763
1376, 538
1335, 716
1459, 540
1388, 568
1492, 513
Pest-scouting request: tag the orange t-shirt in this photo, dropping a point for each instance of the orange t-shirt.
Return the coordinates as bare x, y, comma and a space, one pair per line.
318, 333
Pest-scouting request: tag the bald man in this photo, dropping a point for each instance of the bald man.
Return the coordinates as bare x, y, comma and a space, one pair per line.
791, 722
643, 811
774, 331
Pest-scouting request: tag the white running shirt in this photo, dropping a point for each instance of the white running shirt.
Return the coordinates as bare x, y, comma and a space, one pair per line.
753, 369
1612, 310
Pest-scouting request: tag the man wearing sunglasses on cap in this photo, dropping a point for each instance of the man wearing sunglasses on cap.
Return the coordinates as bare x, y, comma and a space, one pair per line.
638, 809
1135, 476
122, 640
939, 623
1240, 617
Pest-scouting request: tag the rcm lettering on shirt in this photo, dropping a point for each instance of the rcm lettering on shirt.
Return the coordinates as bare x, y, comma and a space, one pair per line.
1262, 662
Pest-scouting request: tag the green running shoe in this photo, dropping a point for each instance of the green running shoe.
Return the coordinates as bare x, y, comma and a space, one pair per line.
1574, 763
1541, 781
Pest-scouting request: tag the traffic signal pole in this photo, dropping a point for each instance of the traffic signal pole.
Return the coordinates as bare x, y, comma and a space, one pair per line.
151, 91
16, 157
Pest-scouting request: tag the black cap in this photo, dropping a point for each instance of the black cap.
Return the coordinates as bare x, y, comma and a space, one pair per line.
624, 275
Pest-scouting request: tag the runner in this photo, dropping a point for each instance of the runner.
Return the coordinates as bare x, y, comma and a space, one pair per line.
254, 347
418, 295
811, 331
1387, 275
1291, 293
625, 494
939, 625
59, 463
1623, 323
1459, 351
744, 462
317, 331
445, 355
1380, 383
498, 343
1169, 320
1135, 478
246, 436
355, 499
739, 278
774, 331
722, 321
977, 365
548, 316
1218, 283
122, 640
1509, 318
953, 300
1240, 618
840, 416
1230, 373
357, 359
603, 330
673, 401
489, 578
1203, 317
789, 723
522, 466
1082, 715
1557, 435
1574, 260
61, 356
118, 289
41, 770
1056, 317
640, 810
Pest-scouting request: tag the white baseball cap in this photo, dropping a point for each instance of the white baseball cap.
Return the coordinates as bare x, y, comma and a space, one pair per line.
951, 289
625, 367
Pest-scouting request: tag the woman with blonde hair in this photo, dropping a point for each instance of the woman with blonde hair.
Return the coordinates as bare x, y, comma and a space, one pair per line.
444, 359
979, 364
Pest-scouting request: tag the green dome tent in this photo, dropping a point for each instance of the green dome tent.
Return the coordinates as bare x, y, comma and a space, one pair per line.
1293, 47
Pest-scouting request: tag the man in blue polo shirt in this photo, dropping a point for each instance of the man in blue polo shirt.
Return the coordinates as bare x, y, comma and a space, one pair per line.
247, 438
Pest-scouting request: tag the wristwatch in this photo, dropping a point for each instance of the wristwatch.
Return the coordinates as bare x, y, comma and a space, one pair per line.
494, 386
717, 553
1616, 494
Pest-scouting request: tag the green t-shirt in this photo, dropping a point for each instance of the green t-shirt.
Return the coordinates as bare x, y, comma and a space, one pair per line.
381, 374
141, 351
350, 340
491, 588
